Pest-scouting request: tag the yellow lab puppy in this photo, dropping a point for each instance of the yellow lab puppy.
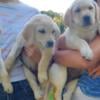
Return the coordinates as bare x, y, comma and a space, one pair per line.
82, 19
40, 31
86, 23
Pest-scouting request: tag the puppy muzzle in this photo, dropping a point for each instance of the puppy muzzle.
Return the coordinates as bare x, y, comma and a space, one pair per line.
86, 21
49, 44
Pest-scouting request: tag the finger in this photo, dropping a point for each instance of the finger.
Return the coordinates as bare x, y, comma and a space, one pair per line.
28, 52
93, 71
97, 74
90, 70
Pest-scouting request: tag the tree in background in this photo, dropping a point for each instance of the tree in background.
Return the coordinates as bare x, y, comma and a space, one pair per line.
57, 17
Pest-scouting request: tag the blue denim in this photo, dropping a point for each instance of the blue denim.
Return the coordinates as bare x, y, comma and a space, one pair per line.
22, 91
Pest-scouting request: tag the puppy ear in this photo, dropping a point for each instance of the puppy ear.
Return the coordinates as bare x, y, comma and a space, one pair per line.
97, 16
97, 12
68, 17
28, 34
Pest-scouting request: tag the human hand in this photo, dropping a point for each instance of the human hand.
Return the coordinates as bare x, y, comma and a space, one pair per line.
67, 57
94, 71
33, 53
70, 58
63, 55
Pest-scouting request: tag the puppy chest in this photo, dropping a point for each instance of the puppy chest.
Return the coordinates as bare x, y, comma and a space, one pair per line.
87, 35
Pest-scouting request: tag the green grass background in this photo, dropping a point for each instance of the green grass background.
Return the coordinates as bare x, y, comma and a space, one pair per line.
51, 95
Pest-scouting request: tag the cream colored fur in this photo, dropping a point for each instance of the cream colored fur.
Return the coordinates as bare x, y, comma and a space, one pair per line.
57, 74
4, 77
77, 34
39, 30
76, 37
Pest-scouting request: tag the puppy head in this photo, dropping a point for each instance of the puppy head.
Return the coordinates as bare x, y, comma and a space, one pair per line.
43, 30
83, 13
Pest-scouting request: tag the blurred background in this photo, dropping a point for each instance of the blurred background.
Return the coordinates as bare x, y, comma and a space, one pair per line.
54, 8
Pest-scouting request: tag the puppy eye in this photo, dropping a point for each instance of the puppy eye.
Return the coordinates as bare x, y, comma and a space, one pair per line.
90, 7
77, 10
42, 31
53, 31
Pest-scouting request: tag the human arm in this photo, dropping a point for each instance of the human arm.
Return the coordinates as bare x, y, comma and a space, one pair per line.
67, 57
72, 58
33, 53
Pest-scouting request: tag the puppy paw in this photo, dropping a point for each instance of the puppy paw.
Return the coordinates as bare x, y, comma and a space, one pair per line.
38, 95
87, 53
40, 99
8, 87
42, 77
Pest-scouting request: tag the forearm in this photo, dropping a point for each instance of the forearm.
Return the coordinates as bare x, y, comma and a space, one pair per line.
70, 58
66, 57
73, 58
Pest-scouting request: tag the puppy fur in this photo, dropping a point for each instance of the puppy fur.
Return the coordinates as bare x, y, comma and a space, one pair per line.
42, 32
77, 36
4, 77
82, 20
82, 27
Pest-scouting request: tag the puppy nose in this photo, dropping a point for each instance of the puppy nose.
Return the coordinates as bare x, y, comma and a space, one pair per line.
86, 20
49, 44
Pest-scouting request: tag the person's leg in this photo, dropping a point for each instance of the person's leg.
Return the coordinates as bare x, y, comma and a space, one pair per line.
22, 91
3, 95
78, 95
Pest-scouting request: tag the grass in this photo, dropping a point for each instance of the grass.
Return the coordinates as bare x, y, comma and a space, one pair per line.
51, 94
